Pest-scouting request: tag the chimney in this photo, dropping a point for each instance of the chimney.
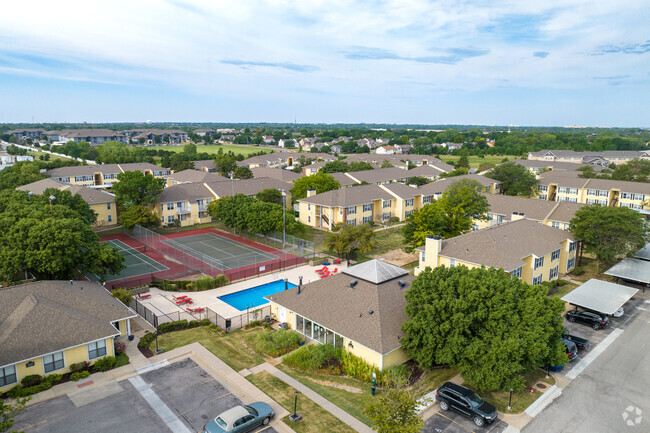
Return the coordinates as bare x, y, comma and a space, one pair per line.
311, 192
432, 247
517, 216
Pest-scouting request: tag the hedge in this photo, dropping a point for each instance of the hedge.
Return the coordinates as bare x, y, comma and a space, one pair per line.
178, 325
203, 283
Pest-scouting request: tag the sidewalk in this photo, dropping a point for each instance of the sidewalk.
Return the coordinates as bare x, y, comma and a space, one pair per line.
315, 397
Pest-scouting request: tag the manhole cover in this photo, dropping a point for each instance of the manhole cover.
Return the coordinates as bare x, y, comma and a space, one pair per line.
540, 385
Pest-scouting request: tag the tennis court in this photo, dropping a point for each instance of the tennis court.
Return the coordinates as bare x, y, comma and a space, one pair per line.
135, 261
226, 253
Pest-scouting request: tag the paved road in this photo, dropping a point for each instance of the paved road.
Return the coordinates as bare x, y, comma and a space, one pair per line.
452, 422
615, 383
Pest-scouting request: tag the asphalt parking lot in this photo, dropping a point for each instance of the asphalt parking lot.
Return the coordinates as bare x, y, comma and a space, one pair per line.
192, 397
452, 422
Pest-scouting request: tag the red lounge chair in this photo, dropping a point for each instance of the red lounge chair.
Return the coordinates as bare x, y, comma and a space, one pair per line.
335, 270
327, 274
324, 268
321, 271
195, 310
184, 301
144, 296
337, 261
179, 298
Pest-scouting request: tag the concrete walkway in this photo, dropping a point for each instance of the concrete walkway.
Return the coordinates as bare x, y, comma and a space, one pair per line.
314, 396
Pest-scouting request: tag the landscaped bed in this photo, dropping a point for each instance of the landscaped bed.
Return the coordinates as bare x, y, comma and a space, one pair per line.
315, 418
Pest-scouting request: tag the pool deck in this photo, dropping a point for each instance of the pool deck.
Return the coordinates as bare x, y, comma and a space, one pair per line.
209, 298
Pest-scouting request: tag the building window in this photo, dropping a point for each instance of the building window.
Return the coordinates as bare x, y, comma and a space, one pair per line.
539, 262
553, 273
426, 199
367, 219
109, 218
170, 206
409, 202
300, 324
88, 178
97, 349
308, 218
308, 206
499, 219
474, 227
351, 222
408, 213
352, 210
592, 192
8, 375
53, 362
572, 200
603, 193
626, 195
572, 246
170, 219
516, 272
555, 255
543, 197
570, 263
452, 263
367, 208
386, 204
78, 178
385, 216
108, 206
537, 280
573, 191
180, 204
555, 224
543, 187
639, 197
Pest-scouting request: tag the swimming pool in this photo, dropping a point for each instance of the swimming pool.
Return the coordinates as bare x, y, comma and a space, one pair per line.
254, 297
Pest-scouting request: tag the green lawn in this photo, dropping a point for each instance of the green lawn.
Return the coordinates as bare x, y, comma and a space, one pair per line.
235, 349
387, 240
214, 148
589, 266
315, 418
432, 380
475, 161
351, 402
559, 291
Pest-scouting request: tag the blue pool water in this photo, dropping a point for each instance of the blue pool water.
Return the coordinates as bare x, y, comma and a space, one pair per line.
254, 296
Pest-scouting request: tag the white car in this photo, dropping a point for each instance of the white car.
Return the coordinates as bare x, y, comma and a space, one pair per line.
618, 313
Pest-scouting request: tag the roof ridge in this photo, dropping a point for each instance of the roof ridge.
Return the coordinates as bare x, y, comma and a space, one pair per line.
17, 315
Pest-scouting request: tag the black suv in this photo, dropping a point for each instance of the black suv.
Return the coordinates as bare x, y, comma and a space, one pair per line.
596, 321
467, 402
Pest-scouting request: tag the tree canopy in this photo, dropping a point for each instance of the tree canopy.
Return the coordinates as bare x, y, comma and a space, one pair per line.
137, 189
395, 411
451, 215
515, 179
494, 328
19, 174
270, 195
50, 241
347, 240
608, 232
341, 166
321, 182
140, 215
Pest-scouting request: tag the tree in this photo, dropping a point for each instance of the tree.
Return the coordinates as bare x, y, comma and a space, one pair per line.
49, 241
137, 189
348, 240
8, 412
113, 152
123, 295
494, 328
140, 215
243, 173
515, 179
225, 163
19, 174
418, 180
386, 164
463, 161
451, 215
608, 232
321, 182
270, 195
395, 411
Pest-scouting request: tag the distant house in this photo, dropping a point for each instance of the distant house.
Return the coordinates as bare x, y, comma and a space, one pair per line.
286, 142
28, 133
268, 139
7, 160
49, 325
360, 310
386, 150
605, 157
204, 132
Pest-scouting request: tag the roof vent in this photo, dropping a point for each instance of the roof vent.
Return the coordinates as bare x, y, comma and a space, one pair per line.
401, 283
515, 213
370, 312
353, 283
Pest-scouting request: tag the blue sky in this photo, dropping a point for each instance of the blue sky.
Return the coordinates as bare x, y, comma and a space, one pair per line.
499, 62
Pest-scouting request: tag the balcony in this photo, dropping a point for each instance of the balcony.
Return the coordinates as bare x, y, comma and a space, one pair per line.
183, 211
203, 207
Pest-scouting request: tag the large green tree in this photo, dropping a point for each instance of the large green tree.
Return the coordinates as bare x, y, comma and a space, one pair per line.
451, 215
140, 215
270, 195
49, 241
395, 410
515, 179
137, 189
494, 328
347, 240
321, 182
608, 232
19, 174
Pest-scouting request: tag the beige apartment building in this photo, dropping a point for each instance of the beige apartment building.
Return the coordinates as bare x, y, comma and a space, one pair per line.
103, 175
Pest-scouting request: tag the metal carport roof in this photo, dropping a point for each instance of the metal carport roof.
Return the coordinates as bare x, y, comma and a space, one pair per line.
600, 296
631, 269
643, 253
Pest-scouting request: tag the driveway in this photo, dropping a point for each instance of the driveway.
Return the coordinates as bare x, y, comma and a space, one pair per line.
180, 397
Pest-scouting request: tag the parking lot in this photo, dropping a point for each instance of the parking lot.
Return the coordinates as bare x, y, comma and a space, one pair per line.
192, 397
452, 422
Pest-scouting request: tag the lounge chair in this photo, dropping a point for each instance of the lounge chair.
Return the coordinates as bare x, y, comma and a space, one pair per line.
337, 261
324, 268
140, 296
335, 270
327, 274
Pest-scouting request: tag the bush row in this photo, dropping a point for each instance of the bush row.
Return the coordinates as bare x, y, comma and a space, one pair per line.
178, 325
203, 283
40, 384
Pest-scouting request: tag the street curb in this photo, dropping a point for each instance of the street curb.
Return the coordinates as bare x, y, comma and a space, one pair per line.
543, 401
591, 356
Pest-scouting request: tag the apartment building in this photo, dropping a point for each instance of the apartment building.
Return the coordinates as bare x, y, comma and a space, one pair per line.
536, 166
435, 189
101, 202
194, 176
567, 186
526, 249
282, 159
103, 175
28, 133
90, 136
283, 175
148, 136
7, 160
595, 158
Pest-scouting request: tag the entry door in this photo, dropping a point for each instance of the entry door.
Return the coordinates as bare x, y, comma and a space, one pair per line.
282, 314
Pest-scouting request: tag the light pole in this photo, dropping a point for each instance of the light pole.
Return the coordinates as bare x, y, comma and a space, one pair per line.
284, 220
510, 400
158, 351
295, 416
52, 198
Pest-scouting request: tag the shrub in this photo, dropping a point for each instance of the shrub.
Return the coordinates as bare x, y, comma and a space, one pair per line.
267, 325
212, 325
146, 339
79, 375
252, 324
313, 357
104, 364
193, 323
356, 367
20, 391
124, 295
31, 380
578, 270
74, 367
121, 359
51, 378
278, 342
173, 326
206, 322
393, 219
120, 347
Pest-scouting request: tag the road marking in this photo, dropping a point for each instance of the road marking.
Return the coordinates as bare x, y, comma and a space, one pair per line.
34, 425
267, 427
188, 411
165, 414
538, 405
593, 354
228, 393
191, 368
209, 380
640, 308
444, 416
152, 367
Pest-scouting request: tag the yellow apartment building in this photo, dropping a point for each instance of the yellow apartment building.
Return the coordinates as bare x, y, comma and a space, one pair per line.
524, 248
368, 324
102, 175
49, 325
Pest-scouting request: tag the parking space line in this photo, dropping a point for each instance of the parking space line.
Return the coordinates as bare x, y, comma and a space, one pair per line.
188, 411
217, 398
444, 416
593, 354
34, 425
267, 427
191, 368
163, 411
202, 383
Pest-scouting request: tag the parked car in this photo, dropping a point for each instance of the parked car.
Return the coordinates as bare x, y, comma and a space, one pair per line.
582, 343
595, 320
571, 349
466, 402
241, 419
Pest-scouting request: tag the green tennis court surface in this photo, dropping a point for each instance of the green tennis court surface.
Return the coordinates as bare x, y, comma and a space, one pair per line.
136, 263
225, 253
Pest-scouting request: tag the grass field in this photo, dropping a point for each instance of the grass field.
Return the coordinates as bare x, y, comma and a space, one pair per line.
37, 154
475, 161
214, 148
432, 379
315, 419
520, 399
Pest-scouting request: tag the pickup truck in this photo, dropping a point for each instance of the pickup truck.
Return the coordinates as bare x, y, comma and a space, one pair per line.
582, 343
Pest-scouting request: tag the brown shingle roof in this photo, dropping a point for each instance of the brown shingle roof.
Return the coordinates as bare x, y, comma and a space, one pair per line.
47, 316
441, 185
275, 173
191, 176
354, 196
90, 195
185, 191
531, 208
379, 175
245, 186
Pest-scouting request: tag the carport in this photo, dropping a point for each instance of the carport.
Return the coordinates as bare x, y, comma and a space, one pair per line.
643, 253
601, 296
634, 270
